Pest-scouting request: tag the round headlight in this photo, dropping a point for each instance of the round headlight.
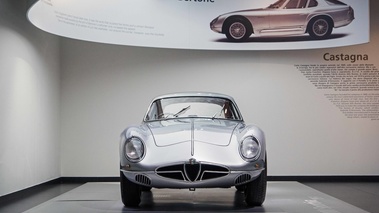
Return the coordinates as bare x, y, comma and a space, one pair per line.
250, 148
134, 149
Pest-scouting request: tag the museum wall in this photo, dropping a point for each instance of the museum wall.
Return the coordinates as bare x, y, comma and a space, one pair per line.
106, 88
29, 101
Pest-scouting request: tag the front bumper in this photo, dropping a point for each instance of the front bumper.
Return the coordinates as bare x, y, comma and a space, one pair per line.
153, 179
216, 25
198, 175
216, 29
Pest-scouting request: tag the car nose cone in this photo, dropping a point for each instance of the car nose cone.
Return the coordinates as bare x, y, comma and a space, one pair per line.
192, 170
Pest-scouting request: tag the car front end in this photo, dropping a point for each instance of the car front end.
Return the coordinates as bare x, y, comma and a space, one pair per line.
216, 24
187, 159
192, 163
193, 140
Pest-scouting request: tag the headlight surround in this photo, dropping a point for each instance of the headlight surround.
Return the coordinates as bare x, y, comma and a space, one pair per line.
134, 149
214, 21
250, 148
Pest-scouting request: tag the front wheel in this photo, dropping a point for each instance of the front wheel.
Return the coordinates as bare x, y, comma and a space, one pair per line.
130, 192
241, 188
320, 28
238, 29
255, 191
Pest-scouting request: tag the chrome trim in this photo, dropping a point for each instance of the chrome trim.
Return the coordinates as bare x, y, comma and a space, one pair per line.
200, 173
188, 174
192, 137
144, 150
259, 152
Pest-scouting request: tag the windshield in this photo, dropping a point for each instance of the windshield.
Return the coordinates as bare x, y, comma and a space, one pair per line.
277, 4
192, 107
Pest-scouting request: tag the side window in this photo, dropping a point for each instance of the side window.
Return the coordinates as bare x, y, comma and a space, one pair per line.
292, 4
303, 3
313, 3
152, 114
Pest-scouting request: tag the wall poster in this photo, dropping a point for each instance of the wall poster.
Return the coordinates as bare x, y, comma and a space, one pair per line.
208, 24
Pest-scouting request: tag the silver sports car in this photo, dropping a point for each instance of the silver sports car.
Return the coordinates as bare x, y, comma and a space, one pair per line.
285, 17
193, 140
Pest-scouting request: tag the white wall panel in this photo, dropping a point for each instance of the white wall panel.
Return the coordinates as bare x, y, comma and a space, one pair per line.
29, 101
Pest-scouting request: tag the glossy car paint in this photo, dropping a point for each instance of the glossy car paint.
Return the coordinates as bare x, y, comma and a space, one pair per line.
282, 21
182, 140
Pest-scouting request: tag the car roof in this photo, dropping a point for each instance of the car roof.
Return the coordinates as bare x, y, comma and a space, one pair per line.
194, 94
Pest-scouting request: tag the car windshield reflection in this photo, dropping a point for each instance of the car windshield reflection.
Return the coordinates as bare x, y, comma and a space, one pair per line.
192, 107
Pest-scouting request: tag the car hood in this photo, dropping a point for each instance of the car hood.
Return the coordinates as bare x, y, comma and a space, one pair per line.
174, 131
248, 12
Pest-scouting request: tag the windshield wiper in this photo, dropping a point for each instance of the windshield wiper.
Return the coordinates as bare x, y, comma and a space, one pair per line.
182, 111
219, 112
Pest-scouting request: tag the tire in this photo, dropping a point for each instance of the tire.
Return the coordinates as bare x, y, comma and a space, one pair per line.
241, 188
255, 192
130, 192
238, 29
320, 28
146, 188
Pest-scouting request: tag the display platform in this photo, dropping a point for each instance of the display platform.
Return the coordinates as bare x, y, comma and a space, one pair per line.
290, 197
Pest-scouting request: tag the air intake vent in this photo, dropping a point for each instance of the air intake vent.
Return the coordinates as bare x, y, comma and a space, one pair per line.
143, 180
192, 172
244, 178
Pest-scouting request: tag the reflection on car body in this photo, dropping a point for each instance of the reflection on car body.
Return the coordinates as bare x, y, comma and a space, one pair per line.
285, 17
193, 140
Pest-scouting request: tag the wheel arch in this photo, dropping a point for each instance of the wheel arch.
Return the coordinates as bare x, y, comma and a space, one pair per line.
227, 20
327, 17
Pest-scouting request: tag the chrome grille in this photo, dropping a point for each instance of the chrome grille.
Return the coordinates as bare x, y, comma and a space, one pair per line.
192, 172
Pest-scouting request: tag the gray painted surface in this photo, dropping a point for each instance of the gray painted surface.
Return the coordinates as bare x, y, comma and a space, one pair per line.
281, 197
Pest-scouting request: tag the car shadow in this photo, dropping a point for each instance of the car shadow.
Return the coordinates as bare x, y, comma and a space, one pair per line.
208, 203
301, 38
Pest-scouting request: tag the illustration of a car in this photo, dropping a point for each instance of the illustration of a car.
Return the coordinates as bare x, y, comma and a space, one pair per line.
193, 140
285, 18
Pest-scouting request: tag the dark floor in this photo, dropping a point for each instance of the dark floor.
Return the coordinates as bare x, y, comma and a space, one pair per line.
364, 195
20, 202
